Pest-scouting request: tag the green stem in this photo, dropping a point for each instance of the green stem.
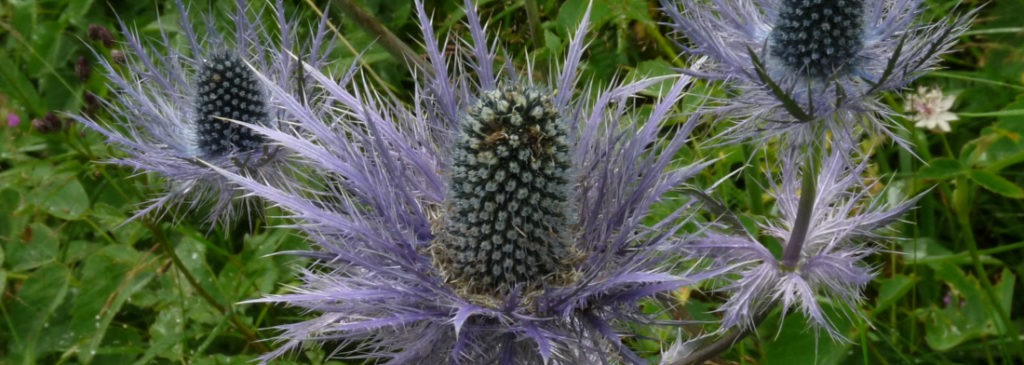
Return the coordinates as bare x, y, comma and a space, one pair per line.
958, 76
945, 144
162, 241
795, 244
998, 113
962, 208
988, 251
1006, 30
666, 48
533, 13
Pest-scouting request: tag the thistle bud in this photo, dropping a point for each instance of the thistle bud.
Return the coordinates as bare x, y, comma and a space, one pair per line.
118, 57
228, 91
48, 124
509, 217
99, 33
92, 103
82, 69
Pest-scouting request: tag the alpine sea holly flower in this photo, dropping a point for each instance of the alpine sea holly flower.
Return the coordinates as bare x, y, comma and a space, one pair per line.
493, 220
804, 68
176, 110
826, 236
931, 109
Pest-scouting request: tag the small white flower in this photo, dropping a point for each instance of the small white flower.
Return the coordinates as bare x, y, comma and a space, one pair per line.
931, 109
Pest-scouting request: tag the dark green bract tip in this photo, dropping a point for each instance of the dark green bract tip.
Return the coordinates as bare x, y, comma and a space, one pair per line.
228, 89
818, 37
509, 194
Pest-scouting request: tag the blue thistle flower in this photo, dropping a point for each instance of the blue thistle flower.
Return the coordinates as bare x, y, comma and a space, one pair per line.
494, 220
823, 257
805, 69
176, 111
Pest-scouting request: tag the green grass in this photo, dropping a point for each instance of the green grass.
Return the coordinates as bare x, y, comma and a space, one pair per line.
79, 287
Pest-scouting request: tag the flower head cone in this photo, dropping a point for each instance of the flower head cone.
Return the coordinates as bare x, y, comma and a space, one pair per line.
807, 69
177, 111
842, 231
493, 220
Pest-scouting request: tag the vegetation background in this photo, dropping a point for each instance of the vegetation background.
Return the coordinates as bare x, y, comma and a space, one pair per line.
79, 288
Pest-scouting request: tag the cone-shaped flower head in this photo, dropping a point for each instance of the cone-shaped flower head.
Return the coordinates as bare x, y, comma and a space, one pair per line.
839, 231
228, 90
807, 69
817, 37
492, 220
509, 190
175, 111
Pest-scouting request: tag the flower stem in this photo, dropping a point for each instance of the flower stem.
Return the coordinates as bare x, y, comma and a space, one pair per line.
250, 336
533, 13
808, 190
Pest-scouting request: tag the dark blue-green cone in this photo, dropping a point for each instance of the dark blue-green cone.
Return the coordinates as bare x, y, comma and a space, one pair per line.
509, 197
227, 88
818, 37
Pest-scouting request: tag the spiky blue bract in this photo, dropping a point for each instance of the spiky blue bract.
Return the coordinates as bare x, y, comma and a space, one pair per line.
379, 285
844, 229
168, 104
810, 70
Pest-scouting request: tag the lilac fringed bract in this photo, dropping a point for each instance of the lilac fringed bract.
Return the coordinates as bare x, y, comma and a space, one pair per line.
167, 103
844, 229
382, 189
805, 69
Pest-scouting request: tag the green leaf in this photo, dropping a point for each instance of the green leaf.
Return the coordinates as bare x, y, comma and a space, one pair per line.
571, 13
3, 280
966, 314
10, 203
167, 335
113, 220
794, 343
653, 68
64, 198
552, 43
111, 276
121, 345
15, 83
892, 290
37, 246
79, 250
1013, 123
41, 293
941, 169
997, 184
76, 11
